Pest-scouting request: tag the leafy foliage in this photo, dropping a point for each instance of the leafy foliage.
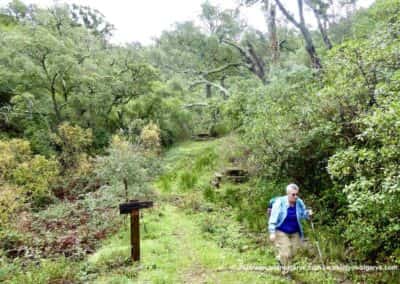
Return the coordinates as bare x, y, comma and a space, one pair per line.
74, 142
32, 175
369, 173
11, 201
13, 152
150, 138
128, 164
36, 177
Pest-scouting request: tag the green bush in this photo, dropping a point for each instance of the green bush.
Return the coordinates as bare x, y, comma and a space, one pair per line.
150, 138
35, 177
31, 176
101, 138
11, 201
12, 153
166, 111
73, 141
219, 129
368, 173
40, 140
127, 164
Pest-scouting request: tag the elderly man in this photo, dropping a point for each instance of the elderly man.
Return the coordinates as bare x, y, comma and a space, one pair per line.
284, 225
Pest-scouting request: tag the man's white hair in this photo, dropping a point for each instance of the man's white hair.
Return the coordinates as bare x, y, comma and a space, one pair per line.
291, 186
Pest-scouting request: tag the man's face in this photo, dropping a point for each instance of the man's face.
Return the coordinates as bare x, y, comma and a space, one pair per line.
292, 195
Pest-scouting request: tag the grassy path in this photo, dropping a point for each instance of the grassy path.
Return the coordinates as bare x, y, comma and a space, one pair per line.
183, 241
175, 250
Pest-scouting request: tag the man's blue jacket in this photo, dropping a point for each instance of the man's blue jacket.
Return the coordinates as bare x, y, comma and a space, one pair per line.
279, 212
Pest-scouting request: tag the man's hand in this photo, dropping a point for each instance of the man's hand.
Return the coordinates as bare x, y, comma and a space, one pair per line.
310, 212
272, 237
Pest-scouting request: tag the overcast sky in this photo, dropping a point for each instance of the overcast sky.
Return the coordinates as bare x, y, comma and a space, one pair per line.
141, 20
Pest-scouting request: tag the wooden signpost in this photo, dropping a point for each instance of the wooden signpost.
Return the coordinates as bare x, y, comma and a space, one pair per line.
132, 207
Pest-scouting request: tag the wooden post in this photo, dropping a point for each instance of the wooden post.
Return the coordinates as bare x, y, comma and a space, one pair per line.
132, 207
135, 235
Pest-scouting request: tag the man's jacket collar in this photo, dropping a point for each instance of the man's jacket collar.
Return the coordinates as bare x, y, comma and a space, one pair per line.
286, 201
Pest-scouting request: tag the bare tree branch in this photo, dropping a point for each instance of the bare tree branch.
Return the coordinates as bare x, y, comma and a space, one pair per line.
204, 81
289, 16
195, 104
219, 69
254, 63
301, 12
320, 13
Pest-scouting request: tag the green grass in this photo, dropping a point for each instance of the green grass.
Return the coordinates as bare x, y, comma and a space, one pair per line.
175, 249
46, 271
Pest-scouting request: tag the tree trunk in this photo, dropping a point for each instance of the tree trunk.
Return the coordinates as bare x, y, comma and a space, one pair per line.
258, 66
320, 13
273, 37
324, 33
208, 91
315, 61
253, 62
55, 104
222, 82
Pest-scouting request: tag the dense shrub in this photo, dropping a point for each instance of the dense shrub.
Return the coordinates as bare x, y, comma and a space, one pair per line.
150, 138
12, 153
11, 200
40, 139
31, 175
73, 141
163, 109
35, 177
369, 173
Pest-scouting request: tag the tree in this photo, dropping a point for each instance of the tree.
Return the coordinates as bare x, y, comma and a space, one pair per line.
18, 10
91, 19
251, 59
272, 32
225, 24
301, 25
320, 10
69, 73
126, 164
195, 56
49, 65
